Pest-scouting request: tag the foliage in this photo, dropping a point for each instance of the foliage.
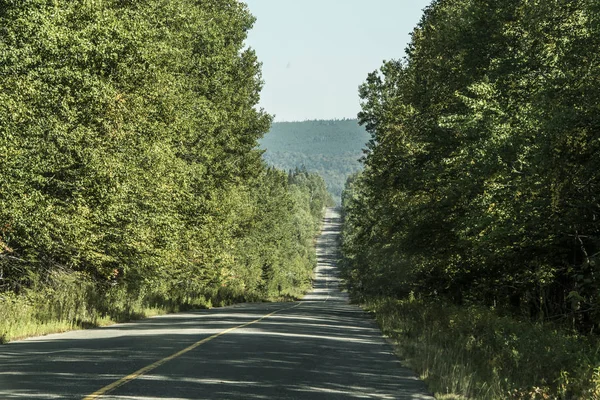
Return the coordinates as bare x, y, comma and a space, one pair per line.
331, 148
481, 180
475, 353
128, 151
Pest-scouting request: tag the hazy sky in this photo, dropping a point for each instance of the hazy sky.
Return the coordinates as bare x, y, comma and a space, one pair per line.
315, 53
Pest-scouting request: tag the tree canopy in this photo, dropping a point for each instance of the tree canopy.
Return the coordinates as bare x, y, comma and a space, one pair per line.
128, 151
481, 181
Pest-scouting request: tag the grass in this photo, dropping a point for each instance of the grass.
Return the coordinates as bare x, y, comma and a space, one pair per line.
72, 301
36, 314
69, 301
474, 353
21, 318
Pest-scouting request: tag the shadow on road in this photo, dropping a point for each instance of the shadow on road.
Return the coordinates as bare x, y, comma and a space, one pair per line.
322, 348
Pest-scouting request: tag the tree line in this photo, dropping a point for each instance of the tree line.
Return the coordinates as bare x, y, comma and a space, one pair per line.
482, 179
129, 159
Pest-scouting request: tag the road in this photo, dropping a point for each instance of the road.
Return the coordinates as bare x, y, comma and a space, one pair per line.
319, 348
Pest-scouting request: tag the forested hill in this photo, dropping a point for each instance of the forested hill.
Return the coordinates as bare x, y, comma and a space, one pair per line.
330, 148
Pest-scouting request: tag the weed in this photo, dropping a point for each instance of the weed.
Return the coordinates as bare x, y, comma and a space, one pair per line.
472, 352
72, 301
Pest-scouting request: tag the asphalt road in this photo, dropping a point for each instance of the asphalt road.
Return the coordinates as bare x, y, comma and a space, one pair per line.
319, 348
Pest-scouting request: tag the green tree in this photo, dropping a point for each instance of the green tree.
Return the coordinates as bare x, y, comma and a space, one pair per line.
479, 182
128, 151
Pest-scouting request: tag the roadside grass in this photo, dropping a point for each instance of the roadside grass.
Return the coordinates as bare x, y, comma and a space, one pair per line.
475, 353
72, 301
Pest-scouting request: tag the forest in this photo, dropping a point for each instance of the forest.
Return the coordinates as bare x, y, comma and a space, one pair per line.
475, 226
330, 148
131, 176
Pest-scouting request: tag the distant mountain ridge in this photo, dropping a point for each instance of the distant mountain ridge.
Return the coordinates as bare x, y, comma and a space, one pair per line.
332, 148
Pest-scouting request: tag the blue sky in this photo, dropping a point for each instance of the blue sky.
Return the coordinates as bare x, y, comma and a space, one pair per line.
315, 53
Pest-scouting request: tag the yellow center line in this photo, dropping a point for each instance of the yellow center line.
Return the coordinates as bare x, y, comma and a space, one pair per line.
109, 388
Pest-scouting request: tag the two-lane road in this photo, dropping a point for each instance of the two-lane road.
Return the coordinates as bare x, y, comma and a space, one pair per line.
319, 348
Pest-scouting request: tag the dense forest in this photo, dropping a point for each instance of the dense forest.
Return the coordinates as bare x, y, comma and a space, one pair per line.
481, 186
131, 176
330, 148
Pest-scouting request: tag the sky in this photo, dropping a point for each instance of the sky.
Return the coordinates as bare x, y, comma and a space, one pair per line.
316, 53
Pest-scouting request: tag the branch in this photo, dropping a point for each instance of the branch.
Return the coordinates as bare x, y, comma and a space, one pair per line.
11, 258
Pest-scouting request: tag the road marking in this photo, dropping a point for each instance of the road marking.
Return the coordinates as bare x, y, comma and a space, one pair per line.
109, 388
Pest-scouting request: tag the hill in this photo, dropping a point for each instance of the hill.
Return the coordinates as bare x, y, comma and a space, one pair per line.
330, 148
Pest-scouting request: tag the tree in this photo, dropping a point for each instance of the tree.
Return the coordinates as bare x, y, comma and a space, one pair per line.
129, 152
479, 182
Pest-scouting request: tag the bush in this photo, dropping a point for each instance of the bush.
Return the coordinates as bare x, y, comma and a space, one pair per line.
477, 353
